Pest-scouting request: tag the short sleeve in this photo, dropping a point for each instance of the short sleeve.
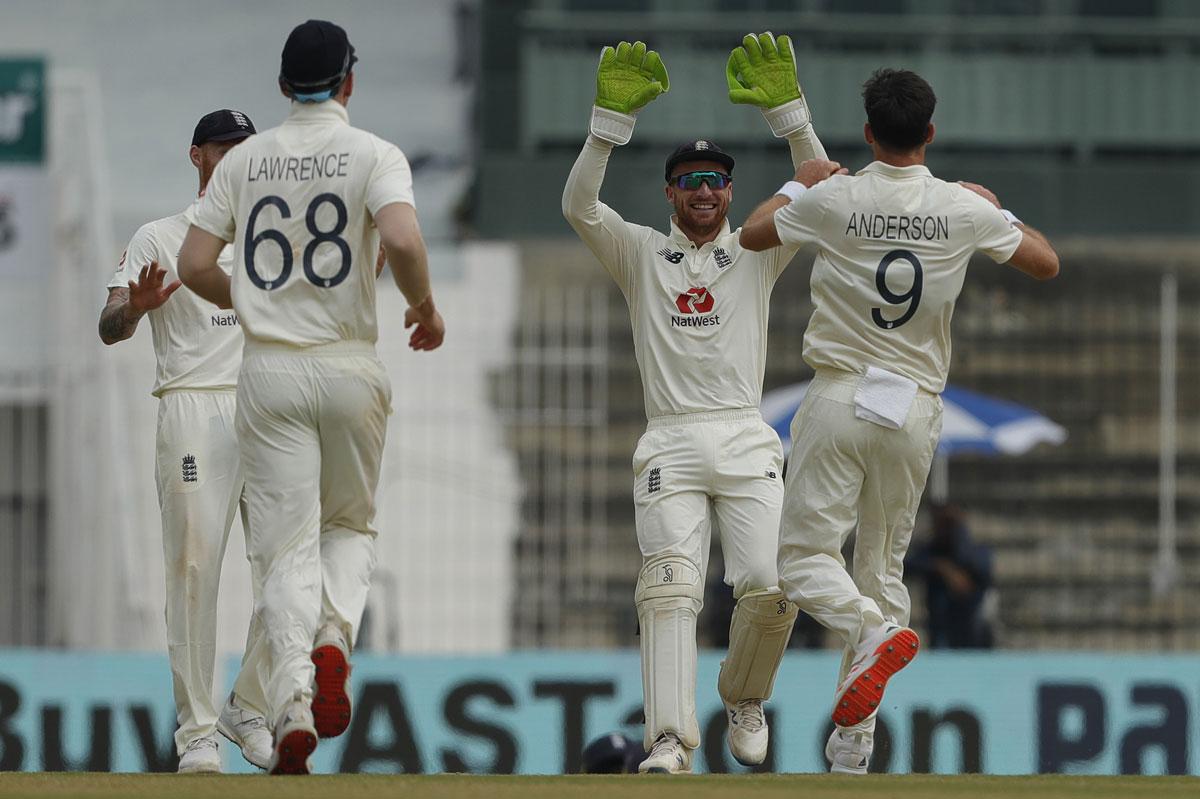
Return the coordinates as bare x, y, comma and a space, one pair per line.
391, 180
141, 251
799, 222
214, 211
995, 236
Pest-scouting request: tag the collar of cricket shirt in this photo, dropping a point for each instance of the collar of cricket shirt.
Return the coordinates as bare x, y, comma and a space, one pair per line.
323, 112
887, 170
680, 238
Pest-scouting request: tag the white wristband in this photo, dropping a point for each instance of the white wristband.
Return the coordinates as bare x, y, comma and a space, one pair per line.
792, 190
1010, 216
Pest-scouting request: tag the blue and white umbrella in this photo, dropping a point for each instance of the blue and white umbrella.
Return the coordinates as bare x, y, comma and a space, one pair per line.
971, 422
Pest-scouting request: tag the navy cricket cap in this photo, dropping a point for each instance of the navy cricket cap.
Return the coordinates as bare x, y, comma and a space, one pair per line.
613, 753
223, 125
699, 150
317, 57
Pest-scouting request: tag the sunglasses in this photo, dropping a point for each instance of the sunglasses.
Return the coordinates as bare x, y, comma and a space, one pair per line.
692, 180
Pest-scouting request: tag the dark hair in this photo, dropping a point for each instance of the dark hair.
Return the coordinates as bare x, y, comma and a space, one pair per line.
899, 105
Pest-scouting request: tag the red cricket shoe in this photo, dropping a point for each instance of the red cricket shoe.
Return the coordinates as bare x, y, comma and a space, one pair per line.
879, 657
295, 740
331, 703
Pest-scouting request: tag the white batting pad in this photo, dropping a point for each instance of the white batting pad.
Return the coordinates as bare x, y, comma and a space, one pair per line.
669, 596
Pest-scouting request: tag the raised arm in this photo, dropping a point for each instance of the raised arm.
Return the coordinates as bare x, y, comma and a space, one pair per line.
1034, 256
627, 78
132, 294
762, 72
758, 231
400, 234
601, 228
761, 232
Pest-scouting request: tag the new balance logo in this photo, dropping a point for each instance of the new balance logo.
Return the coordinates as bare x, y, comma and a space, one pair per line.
722, 258
672, 256
189, 468
770, 474
654, 481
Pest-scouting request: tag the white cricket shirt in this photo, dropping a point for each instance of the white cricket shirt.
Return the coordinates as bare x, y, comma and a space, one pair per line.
699, 314
298, 203
894, 247
196, 344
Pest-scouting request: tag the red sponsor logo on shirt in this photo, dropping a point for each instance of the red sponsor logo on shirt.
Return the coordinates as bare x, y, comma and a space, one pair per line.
695, 300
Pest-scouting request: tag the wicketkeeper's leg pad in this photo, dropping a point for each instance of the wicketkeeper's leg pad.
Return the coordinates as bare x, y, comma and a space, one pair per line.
669, 595
758, 635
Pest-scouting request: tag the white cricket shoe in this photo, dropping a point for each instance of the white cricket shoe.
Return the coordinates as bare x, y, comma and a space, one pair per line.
747, 733
295, 740
201, 756
880, 655
668, 755
848, 749
331, 702
248, 730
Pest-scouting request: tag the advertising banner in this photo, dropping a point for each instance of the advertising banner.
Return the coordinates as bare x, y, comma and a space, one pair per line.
27, 257
533, 713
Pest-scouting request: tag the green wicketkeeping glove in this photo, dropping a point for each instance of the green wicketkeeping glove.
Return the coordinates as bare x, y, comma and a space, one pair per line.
628, 77
762, 72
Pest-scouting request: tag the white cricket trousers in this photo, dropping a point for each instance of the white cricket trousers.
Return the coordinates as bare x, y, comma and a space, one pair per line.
687, 469
199, 478
845, 473
690, 467
311, 423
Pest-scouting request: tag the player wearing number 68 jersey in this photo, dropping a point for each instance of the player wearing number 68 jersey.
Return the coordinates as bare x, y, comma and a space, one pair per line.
893, 244
306, 205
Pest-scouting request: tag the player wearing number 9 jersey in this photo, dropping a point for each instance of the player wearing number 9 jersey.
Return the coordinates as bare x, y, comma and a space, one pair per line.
306, 206
893, 245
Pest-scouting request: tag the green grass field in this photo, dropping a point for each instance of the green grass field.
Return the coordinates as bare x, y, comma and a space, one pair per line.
446, 786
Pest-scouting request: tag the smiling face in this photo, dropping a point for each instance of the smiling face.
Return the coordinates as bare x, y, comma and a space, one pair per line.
699, 212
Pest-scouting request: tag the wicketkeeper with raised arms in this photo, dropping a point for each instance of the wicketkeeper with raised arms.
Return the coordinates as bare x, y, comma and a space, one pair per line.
698, 303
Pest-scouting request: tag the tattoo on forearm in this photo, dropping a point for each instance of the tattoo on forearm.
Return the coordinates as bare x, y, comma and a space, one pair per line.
117, 322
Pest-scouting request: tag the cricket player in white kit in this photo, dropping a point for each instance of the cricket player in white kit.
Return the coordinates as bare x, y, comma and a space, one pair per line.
306, 205
698, 303
893, 245
199, 351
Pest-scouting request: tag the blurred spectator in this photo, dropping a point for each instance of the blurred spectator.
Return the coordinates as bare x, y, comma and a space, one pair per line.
958, 578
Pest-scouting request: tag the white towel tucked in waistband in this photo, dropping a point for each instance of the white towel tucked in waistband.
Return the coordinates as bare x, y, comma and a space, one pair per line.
884, 398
